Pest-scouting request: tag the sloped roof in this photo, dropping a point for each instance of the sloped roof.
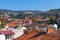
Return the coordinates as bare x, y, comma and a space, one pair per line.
6, 32
13, 23
32, 35
52, 36
36, 38
27, 36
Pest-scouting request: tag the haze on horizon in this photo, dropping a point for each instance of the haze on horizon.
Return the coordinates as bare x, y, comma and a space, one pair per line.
42, 5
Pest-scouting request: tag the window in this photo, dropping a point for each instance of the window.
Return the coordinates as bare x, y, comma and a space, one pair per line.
8, 36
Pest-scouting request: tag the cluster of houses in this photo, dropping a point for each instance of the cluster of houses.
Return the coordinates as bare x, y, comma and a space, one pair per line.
15, 29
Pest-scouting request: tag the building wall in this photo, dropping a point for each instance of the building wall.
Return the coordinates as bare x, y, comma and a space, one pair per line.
2, 37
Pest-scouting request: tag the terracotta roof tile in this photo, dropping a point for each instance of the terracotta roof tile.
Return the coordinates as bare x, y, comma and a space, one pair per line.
50, 30
36, 38
6, 32
50, 37
27, 36
31, 36
13, 23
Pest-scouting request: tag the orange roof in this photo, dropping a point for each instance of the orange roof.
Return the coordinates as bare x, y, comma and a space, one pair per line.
31, 36
39, 19
27, 36
13, 23
36, 38
50, 37
50, 30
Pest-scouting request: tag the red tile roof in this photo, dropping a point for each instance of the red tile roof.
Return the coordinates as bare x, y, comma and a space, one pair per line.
50, 30
50, 37
36, 38
31, 36
13, 23
27, 36
7, 32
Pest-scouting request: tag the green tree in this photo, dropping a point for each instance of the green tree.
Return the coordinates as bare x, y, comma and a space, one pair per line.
53, 20
2, 25
33, 19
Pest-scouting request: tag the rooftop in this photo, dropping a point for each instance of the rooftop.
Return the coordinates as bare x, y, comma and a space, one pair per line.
6, 32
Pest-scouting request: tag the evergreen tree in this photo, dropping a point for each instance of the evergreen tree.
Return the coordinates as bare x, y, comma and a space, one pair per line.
53, 20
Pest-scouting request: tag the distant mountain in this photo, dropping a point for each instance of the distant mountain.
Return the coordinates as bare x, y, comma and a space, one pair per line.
28, 13
55, 10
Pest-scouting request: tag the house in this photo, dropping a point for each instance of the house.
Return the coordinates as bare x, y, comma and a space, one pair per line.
28, 21
51, 36
14, 24
30, 34
56, 27
8, 34
2, 37
19, 32
42, 25
52, 28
